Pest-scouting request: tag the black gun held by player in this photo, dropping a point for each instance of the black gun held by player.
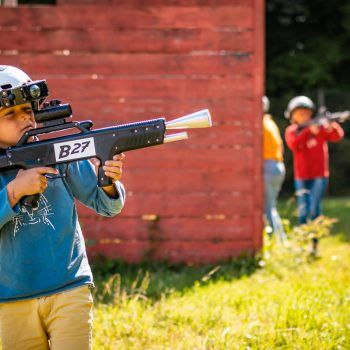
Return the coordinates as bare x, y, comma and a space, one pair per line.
86, 143
323, 117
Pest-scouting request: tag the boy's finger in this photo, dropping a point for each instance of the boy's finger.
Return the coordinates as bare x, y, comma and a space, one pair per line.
95, 161
112, 169
114, 176
116, 163
43, 186
43, 179
120, 156
46, 170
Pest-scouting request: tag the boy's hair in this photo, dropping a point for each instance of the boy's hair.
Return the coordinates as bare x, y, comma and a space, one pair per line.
16, 88
298, 102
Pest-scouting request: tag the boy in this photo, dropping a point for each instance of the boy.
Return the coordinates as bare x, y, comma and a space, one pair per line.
45, 277
310, 152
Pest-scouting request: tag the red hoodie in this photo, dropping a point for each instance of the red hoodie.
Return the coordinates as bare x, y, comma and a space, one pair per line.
310, 152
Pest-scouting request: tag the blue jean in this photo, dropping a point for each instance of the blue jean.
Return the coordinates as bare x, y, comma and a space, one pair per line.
274, 173
309, 197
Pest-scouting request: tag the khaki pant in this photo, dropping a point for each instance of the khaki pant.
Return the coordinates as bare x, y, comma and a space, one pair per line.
60, 321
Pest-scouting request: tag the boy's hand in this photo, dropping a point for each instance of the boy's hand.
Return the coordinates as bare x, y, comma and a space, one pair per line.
314, 129
28, 182
113, 169
329, 127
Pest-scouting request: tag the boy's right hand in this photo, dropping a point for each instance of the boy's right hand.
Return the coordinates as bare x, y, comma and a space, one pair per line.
28, 182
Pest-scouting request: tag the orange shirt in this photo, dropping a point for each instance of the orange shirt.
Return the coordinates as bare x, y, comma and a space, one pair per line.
272, 141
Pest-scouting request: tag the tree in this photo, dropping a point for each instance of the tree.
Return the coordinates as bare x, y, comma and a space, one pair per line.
306, 45
308, 48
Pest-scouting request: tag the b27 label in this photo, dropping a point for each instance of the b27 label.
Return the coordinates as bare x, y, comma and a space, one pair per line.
76, 149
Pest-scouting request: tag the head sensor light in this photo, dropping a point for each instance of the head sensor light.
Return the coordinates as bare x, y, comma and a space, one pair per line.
35, 91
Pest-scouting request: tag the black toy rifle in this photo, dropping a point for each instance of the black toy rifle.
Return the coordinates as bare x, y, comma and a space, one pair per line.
101, 143
323, 117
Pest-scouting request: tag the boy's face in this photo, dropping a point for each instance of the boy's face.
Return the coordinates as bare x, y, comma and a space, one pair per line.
14, 122
302, 115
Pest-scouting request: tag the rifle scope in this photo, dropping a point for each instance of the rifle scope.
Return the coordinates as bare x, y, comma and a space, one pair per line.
53, 111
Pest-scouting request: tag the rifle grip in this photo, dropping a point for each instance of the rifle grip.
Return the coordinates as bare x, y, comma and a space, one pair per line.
102, 179
31, 201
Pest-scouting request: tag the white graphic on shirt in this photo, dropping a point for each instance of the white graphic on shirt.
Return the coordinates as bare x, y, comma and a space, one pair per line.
33, 216
311, 143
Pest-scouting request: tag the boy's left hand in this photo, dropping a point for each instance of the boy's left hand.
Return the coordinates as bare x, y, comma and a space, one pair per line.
329, 127
112, 168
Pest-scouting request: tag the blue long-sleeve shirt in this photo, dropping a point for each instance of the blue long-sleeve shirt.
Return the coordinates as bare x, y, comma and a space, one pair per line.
42, 251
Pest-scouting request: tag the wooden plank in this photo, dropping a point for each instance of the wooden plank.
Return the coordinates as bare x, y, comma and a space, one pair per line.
148, 40
233, 111
130, 252
170, 174
144, 3
158, 181
187, 181
200, 252
161, 157
236, 112
184, 205
175, 252
112, 113
117, 17
113, 89
213, 229
133, 65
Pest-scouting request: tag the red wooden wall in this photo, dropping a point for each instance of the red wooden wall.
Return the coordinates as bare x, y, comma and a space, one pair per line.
119, 61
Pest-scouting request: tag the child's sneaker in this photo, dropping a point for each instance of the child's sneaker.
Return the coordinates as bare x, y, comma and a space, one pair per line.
314, 248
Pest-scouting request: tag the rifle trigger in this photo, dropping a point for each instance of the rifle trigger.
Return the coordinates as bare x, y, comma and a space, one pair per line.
54, 177
63, 174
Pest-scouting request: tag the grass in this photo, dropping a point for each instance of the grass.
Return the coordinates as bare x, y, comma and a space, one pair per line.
282, 300
300, 308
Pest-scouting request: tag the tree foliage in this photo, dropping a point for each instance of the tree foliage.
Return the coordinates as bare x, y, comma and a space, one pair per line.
307, 45
308, 49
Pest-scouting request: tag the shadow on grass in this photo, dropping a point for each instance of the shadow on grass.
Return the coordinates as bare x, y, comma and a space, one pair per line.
114, 279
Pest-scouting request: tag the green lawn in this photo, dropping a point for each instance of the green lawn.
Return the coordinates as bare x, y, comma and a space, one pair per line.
282, 300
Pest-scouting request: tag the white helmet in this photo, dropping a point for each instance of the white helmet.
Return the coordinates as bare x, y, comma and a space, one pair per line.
16, 88
265, 103
11, 77
298, 102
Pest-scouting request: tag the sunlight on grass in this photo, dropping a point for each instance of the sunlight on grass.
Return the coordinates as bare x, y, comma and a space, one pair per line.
305, 308
284, 301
